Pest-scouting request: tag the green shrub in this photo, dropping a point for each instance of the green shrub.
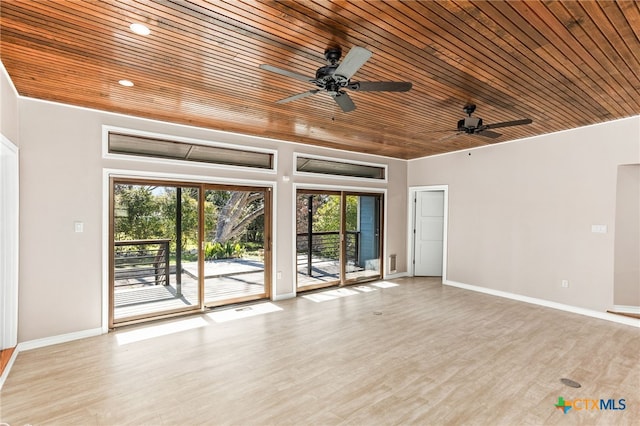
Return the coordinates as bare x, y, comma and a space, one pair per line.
227, 250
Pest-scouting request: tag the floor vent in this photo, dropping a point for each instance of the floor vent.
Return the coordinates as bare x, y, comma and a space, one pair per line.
392, 263
570, 383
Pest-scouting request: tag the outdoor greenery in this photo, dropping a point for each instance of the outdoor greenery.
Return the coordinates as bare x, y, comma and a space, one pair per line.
233, 219
223, 251
325, 213
326, 218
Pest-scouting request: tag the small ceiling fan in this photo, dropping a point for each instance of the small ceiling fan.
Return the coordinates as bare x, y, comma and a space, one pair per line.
474, 126
334, 77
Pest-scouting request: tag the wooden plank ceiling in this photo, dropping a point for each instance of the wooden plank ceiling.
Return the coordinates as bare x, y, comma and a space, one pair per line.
562, 64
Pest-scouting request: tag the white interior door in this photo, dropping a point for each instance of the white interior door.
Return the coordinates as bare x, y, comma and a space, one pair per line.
429, 232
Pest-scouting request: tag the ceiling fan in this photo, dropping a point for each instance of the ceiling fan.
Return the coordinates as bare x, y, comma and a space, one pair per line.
474, 126
334, 77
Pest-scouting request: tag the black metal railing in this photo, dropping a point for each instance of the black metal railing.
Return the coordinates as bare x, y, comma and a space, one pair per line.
325, 246
144, 261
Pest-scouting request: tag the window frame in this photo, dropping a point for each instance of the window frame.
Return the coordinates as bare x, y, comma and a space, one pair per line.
297, 172
106, 154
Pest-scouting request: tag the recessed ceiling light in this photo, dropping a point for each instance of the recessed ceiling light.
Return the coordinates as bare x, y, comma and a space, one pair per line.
140, 29
126, 83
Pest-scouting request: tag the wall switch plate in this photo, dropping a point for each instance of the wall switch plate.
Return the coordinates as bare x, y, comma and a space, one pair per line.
78, 226
565, 283
599, 229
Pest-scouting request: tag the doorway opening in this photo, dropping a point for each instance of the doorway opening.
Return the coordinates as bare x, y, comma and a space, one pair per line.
338, 238
182, 247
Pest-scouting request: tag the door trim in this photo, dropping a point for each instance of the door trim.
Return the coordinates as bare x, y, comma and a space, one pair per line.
337, 189
411, 219
9, 243
172, 178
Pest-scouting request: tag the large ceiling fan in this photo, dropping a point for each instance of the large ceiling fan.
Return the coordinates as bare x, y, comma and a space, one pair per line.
474, 126
334, 77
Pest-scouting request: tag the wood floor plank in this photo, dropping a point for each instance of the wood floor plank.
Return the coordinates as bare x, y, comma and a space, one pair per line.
416, 353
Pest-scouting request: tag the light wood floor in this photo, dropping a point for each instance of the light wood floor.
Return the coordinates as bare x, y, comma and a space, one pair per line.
417, 353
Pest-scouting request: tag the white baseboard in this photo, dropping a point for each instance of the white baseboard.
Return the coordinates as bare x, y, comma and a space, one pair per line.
54, 340
626, 309
547, 303
396, 275
285, 296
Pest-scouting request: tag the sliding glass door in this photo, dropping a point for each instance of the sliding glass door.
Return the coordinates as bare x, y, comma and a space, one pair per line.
155, 243
362, 237
236, 260
177, 248
338, 238
318, 248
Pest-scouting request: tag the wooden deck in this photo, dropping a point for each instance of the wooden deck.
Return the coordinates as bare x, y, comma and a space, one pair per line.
224, 280
328, 272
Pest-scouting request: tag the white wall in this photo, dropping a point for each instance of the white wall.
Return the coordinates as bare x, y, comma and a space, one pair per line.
8, 107
62, 182
520, 213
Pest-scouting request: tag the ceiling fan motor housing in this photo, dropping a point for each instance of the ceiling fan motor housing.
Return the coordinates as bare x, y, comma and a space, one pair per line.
326, 72
332, 55
469, 124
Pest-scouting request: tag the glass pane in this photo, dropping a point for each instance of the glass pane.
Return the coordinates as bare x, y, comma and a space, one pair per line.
158, 148
339, 168
317, 240
234, 251
362, 237
155, 236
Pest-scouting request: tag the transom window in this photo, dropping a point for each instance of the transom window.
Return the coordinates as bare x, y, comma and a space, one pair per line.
146, 146
333, 167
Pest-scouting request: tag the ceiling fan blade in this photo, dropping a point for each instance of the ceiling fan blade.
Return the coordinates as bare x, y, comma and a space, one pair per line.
351, 63
450, 135
488, 134
344, 101
381, 86
509, 123
298, 96
286, 73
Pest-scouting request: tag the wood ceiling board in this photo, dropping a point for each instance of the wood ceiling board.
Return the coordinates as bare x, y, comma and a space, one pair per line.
562, 64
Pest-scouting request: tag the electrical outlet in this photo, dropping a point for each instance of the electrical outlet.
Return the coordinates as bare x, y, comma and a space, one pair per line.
565, 284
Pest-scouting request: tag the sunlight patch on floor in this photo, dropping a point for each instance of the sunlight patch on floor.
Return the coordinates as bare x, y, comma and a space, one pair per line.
330, 295
244, 312
364, 288
126, 337
385, 284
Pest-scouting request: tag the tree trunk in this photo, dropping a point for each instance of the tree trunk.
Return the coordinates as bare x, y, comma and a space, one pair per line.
236, 214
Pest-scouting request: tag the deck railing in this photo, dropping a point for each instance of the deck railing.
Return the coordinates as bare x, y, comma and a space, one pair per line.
144, 261
325, 246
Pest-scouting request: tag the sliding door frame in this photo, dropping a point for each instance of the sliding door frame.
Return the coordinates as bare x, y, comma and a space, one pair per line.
113, 181
268, 238
381, 237
114, 176
343, 192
